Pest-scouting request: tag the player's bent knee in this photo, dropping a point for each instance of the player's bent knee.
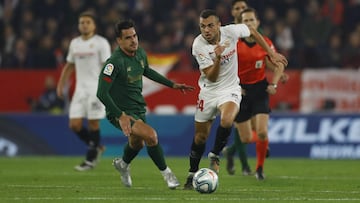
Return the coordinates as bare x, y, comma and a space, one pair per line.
245, 139
151, 140
200, 138
226, 122
137, 145
75, 127
262, 136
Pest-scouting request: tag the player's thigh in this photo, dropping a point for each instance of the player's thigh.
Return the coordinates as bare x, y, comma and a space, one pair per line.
143, 130
228, 112
245, 131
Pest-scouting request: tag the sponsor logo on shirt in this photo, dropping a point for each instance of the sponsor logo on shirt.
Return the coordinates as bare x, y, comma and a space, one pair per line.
109, 68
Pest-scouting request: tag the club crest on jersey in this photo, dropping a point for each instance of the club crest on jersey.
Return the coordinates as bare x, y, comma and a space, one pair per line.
109, 68
201, 57
142, 64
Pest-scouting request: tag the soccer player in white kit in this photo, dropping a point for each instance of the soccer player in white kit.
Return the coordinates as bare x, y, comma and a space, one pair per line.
220, 92
87, 54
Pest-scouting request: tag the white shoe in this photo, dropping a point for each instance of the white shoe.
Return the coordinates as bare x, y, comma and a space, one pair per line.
124, 170
214, 162
85, 166
170, 179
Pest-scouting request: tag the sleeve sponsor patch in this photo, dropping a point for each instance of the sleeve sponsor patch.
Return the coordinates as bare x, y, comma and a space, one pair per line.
109, 68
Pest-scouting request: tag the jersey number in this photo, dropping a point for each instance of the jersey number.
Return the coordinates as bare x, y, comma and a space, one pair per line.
200, 104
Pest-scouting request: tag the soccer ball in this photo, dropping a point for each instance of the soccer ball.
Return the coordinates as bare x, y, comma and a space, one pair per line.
205, 181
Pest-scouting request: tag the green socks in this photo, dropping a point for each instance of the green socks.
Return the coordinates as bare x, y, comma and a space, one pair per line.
157, 155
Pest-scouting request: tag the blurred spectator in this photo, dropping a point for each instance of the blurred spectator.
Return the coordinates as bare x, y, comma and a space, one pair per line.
268, 22
48, 101
61, 52
293, 21
49, 9
333, 51
9, 40
283, 38
352, 51
45, 56
315, 32
51, 28
21, 57
334, 10
186, 61
301, 29
352, 15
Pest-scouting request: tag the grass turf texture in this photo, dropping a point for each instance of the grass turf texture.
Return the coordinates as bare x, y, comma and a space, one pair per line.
52, 179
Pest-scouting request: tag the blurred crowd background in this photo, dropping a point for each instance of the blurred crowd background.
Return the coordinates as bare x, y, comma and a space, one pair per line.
35, 34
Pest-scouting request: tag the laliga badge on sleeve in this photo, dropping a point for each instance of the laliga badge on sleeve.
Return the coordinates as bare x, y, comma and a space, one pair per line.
109, 68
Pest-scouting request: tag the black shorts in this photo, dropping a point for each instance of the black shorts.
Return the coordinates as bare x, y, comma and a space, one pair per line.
255, 101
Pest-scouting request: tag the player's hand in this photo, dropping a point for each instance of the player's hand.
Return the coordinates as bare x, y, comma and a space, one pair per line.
219, 49
125, 123
183, 87
271, 89
284, 78
278, 58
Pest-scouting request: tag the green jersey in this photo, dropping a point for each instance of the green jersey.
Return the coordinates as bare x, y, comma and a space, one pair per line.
120, 83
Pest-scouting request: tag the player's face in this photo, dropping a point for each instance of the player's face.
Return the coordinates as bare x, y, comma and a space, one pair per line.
237, 8
249, 18
86, 26
210, 28
128, 42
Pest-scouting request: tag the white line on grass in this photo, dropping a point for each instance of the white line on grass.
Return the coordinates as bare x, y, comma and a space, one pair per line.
317, 178
283, 190
200, 198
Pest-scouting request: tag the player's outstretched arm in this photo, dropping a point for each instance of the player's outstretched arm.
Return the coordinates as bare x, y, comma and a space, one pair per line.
274, 57
183, 87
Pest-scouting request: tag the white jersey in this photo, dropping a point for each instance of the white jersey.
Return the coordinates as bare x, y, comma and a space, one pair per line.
88, 56
205, 56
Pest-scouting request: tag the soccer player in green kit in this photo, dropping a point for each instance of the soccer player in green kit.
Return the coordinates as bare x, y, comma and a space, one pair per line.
120, 89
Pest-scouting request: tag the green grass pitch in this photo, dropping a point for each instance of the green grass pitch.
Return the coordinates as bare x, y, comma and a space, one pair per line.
52, 179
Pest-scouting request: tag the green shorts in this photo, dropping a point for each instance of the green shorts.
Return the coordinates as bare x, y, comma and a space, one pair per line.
115, 121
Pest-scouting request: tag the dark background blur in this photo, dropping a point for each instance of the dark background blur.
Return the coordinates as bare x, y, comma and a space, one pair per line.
35, 34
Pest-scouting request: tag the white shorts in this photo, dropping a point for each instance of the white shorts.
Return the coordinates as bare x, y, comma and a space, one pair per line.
86, 106
209, 103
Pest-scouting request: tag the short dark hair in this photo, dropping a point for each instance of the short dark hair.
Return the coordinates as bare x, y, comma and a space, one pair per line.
247, 10
207, 13
123, 25
235, 1
88, 14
